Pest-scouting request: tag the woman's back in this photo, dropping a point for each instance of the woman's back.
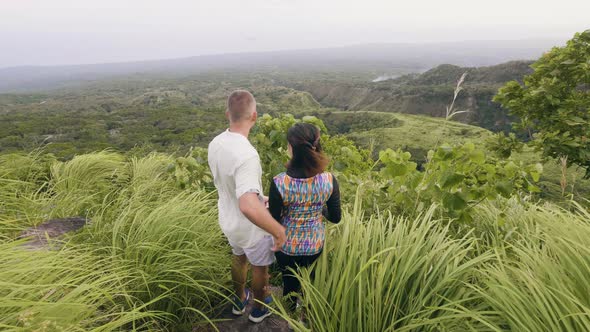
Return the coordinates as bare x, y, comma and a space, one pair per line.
303, 200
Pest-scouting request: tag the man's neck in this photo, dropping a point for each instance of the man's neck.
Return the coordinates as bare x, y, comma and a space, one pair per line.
240, 129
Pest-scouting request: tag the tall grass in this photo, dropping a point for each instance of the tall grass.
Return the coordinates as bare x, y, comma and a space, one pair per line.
391, 274
520, 268
168, 236
176, 247
23, 191
81, 184
152, 256
67, 290
538, 281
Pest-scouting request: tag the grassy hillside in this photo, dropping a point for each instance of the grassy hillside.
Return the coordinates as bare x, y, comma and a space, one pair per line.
426, 94
414, 133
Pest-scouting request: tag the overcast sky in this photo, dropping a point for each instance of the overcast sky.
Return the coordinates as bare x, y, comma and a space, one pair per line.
52, 32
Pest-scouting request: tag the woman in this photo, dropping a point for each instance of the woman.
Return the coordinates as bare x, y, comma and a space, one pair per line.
298, 198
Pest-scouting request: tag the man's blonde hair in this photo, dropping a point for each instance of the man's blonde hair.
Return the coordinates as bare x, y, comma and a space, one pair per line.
240, 105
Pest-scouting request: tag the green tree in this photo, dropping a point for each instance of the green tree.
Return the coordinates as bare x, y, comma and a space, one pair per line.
503, 146
554, 101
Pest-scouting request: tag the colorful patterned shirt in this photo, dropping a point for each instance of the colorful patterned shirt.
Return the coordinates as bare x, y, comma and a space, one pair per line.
303, 201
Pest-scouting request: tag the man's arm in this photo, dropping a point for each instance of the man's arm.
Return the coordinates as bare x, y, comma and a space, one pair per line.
248, 189
254, 210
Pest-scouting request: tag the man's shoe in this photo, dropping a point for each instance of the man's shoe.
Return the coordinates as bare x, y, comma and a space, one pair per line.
239, 306
258, 315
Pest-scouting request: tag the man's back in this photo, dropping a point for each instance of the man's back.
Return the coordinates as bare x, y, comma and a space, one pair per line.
236, 170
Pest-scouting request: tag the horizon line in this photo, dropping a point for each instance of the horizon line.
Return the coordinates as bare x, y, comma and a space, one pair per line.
552, 39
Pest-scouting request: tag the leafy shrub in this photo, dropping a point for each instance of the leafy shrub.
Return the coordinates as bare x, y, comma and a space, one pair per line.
503, 145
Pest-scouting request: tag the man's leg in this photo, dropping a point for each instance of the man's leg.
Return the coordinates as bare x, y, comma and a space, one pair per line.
239, 274
260, 280
260, 257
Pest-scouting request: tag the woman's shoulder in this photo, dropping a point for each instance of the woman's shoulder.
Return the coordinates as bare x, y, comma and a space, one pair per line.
326, 176
280, 176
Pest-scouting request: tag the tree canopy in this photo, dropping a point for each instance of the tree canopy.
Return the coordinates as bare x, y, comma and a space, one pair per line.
554, 102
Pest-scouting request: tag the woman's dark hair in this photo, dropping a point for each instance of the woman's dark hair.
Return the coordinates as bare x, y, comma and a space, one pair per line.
307, 150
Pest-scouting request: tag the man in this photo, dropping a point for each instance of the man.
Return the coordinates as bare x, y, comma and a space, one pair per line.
243, 217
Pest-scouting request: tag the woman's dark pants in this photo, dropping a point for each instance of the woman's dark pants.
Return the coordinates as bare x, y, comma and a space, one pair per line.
290, 283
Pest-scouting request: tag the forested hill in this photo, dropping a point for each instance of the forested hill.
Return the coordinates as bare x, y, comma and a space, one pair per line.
427, 93
448, 74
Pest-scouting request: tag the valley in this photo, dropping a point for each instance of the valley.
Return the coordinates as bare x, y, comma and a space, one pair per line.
154, 113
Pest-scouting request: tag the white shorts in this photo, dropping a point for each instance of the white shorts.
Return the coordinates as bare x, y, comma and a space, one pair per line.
260, 254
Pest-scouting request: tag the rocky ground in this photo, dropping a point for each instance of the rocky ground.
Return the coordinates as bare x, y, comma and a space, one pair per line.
39, 235
231, 323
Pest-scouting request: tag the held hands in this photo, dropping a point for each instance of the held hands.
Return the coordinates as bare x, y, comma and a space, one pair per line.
279, 238
251, 207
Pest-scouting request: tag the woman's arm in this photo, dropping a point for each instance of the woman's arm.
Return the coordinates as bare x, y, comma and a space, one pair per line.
275, 201
333, 210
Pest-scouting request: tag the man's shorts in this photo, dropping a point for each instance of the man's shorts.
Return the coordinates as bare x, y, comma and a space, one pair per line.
260, 254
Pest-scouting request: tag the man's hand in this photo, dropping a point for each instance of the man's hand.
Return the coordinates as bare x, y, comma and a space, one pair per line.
280, 240
265, 200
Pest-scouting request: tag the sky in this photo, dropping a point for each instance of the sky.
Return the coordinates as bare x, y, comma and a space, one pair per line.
57, 32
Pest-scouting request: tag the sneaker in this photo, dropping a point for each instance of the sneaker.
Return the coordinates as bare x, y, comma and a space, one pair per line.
268, 300
258, 315
239, 306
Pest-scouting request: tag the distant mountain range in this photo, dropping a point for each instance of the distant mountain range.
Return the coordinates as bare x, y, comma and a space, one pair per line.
376, 58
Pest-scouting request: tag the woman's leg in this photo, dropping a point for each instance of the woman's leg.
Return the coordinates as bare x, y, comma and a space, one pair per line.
291, 285
290, 282
307, 261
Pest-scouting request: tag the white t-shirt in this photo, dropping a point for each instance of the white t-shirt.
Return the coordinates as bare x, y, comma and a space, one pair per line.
236, 170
